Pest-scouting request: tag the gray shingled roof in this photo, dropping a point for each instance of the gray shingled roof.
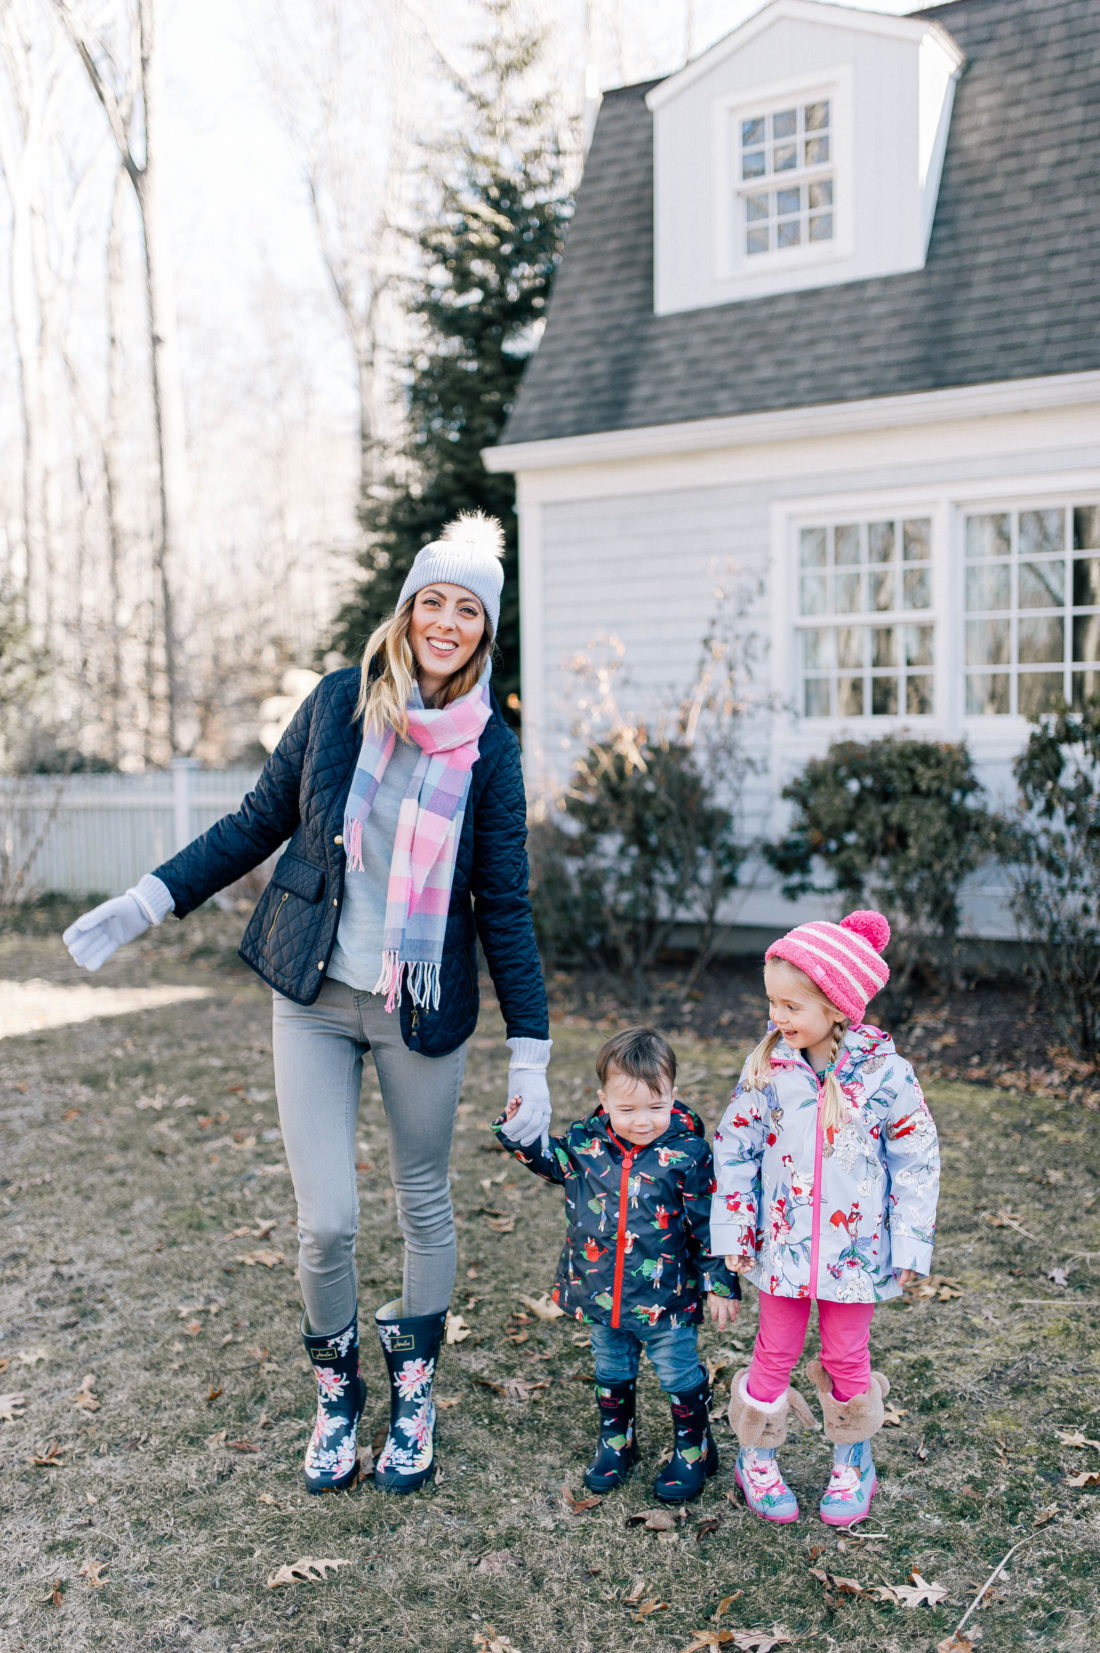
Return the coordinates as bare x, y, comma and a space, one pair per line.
1010, 288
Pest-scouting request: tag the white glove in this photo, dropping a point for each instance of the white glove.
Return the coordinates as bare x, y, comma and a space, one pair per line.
527, 1080
95, 935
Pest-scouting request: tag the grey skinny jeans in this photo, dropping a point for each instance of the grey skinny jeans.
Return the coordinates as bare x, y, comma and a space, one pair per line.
318, 1051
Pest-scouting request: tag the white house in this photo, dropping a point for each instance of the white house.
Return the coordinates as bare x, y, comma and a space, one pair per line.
828, 311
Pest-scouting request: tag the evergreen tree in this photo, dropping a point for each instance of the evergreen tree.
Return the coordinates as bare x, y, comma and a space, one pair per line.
489, 259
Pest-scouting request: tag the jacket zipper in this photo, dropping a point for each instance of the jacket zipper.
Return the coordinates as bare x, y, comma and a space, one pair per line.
815, 1208
620, 1237
278, 910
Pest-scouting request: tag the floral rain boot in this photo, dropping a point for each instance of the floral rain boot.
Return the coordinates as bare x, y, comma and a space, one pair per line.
411, 1346
332, 1459
850, 1424
694, 1453
761, 1428
617, 1447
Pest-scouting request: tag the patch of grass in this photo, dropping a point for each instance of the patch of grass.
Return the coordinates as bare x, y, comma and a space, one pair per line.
113, 1238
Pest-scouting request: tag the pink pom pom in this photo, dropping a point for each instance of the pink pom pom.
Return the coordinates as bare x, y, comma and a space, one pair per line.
872, 926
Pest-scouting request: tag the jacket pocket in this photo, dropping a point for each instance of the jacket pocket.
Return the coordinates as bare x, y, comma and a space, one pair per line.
299, 877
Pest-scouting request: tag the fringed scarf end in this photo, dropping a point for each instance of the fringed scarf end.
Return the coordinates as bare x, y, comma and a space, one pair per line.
389, 980
353, 842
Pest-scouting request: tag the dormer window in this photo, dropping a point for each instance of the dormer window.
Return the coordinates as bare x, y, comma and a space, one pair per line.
790, 151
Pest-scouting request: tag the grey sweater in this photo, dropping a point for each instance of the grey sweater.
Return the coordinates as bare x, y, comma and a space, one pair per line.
357, 956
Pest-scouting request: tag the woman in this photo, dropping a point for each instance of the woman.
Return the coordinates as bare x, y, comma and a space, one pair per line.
399, 786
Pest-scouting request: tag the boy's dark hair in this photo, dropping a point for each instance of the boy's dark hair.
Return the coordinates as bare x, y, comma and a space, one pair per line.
638, 1053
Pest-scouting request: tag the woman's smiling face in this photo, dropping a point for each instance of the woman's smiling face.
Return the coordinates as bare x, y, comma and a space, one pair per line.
445, 628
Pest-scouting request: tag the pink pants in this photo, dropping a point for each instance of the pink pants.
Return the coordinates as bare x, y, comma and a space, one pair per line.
845, 1355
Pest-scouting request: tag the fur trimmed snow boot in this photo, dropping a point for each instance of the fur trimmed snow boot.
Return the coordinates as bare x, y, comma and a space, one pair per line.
849, 1424
332, 1459
411, 1345
694, 1451
761, 1428
617, 1447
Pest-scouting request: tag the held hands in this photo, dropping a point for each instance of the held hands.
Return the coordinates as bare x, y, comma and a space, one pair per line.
528, 1111
739, 1265
723, 1310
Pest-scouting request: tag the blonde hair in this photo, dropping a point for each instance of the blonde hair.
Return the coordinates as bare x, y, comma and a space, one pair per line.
758, 1069
384, 696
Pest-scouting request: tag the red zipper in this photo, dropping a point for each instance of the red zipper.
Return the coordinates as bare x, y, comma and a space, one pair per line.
620, 1236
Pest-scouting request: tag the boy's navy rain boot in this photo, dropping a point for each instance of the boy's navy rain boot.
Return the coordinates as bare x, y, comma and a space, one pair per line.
694, 1453
332, 1459
617, 1447
411, 1345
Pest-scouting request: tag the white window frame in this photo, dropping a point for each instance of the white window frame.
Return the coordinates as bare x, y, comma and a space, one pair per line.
730, 258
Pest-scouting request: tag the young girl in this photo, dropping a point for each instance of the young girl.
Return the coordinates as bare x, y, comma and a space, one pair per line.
827, 1172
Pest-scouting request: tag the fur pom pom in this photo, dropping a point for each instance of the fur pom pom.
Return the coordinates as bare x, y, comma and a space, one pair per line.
873, 927
483, 535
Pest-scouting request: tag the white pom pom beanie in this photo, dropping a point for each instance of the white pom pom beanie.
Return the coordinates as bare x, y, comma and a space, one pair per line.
842, 959
467, 553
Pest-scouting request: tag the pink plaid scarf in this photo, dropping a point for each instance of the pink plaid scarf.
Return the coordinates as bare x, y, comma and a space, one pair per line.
429, 823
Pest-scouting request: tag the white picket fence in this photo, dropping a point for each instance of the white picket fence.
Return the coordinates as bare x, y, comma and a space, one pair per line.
96, 834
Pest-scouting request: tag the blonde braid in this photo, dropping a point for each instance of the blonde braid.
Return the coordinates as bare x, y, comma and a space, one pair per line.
758, 1068
832, 1113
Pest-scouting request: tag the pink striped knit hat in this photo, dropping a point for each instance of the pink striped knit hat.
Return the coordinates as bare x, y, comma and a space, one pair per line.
842, 959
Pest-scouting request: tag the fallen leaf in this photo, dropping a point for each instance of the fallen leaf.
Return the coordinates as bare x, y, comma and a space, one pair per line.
653, 1521
1074, 1437
1006, 1219
306, 1571
457, 1328
11, 1406
84, 1398
637, 1590
919, 1593
705, 1528
241, 1446
514, 1388
265, 1256
1041, 1518
759, 1641
1059, 1276
726, 1603
215, 1391
942, 1287
544, 1307
31, 1357
496, 1564
93, 1571
1087, 1478
958, 1643
578, 1505
838, 1586
668, 1538
645, 1608
50, 1459
504, 1224
921, 1453
266, 1498
892, 1417
487, 1641
57, 1595
443, 1403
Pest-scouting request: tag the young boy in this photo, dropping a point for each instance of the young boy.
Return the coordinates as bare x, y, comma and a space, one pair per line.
638, 1177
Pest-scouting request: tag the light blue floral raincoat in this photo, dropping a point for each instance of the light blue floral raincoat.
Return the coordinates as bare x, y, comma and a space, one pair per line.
829, 1214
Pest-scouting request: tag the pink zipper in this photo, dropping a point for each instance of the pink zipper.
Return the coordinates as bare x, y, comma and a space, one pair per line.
815, 1208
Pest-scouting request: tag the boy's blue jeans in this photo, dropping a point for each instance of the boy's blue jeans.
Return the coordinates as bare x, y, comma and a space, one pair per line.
674, 1351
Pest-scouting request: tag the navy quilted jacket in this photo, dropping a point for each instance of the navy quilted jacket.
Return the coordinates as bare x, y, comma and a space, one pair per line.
637, 1247
301, 795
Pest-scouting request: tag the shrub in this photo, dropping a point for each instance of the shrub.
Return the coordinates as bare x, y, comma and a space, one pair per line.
896, 824
1055, 869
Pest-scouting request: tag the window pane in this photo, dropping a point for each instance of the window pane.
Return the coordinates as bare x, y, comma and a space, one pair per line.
789, 233
916, 540
918, 696
817, 653
757, 207
1041, 531
821, 226
987, 587
1086, 582
988, 536
846, 544
846, 597
1039, 692
1042, 584
988, 643
821, 193
916, 588
817, 151
884, 646
918, 645
788, 202
784, 157
1041, 640
1086, 528
1086, 637
752, 163
1086, 686
849, 697
756, 241
880, 539
849, 646
752, 133
987, 696
811, 547
817, 116
815, 697
884, 696
812, 596
884, 591
785, 124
